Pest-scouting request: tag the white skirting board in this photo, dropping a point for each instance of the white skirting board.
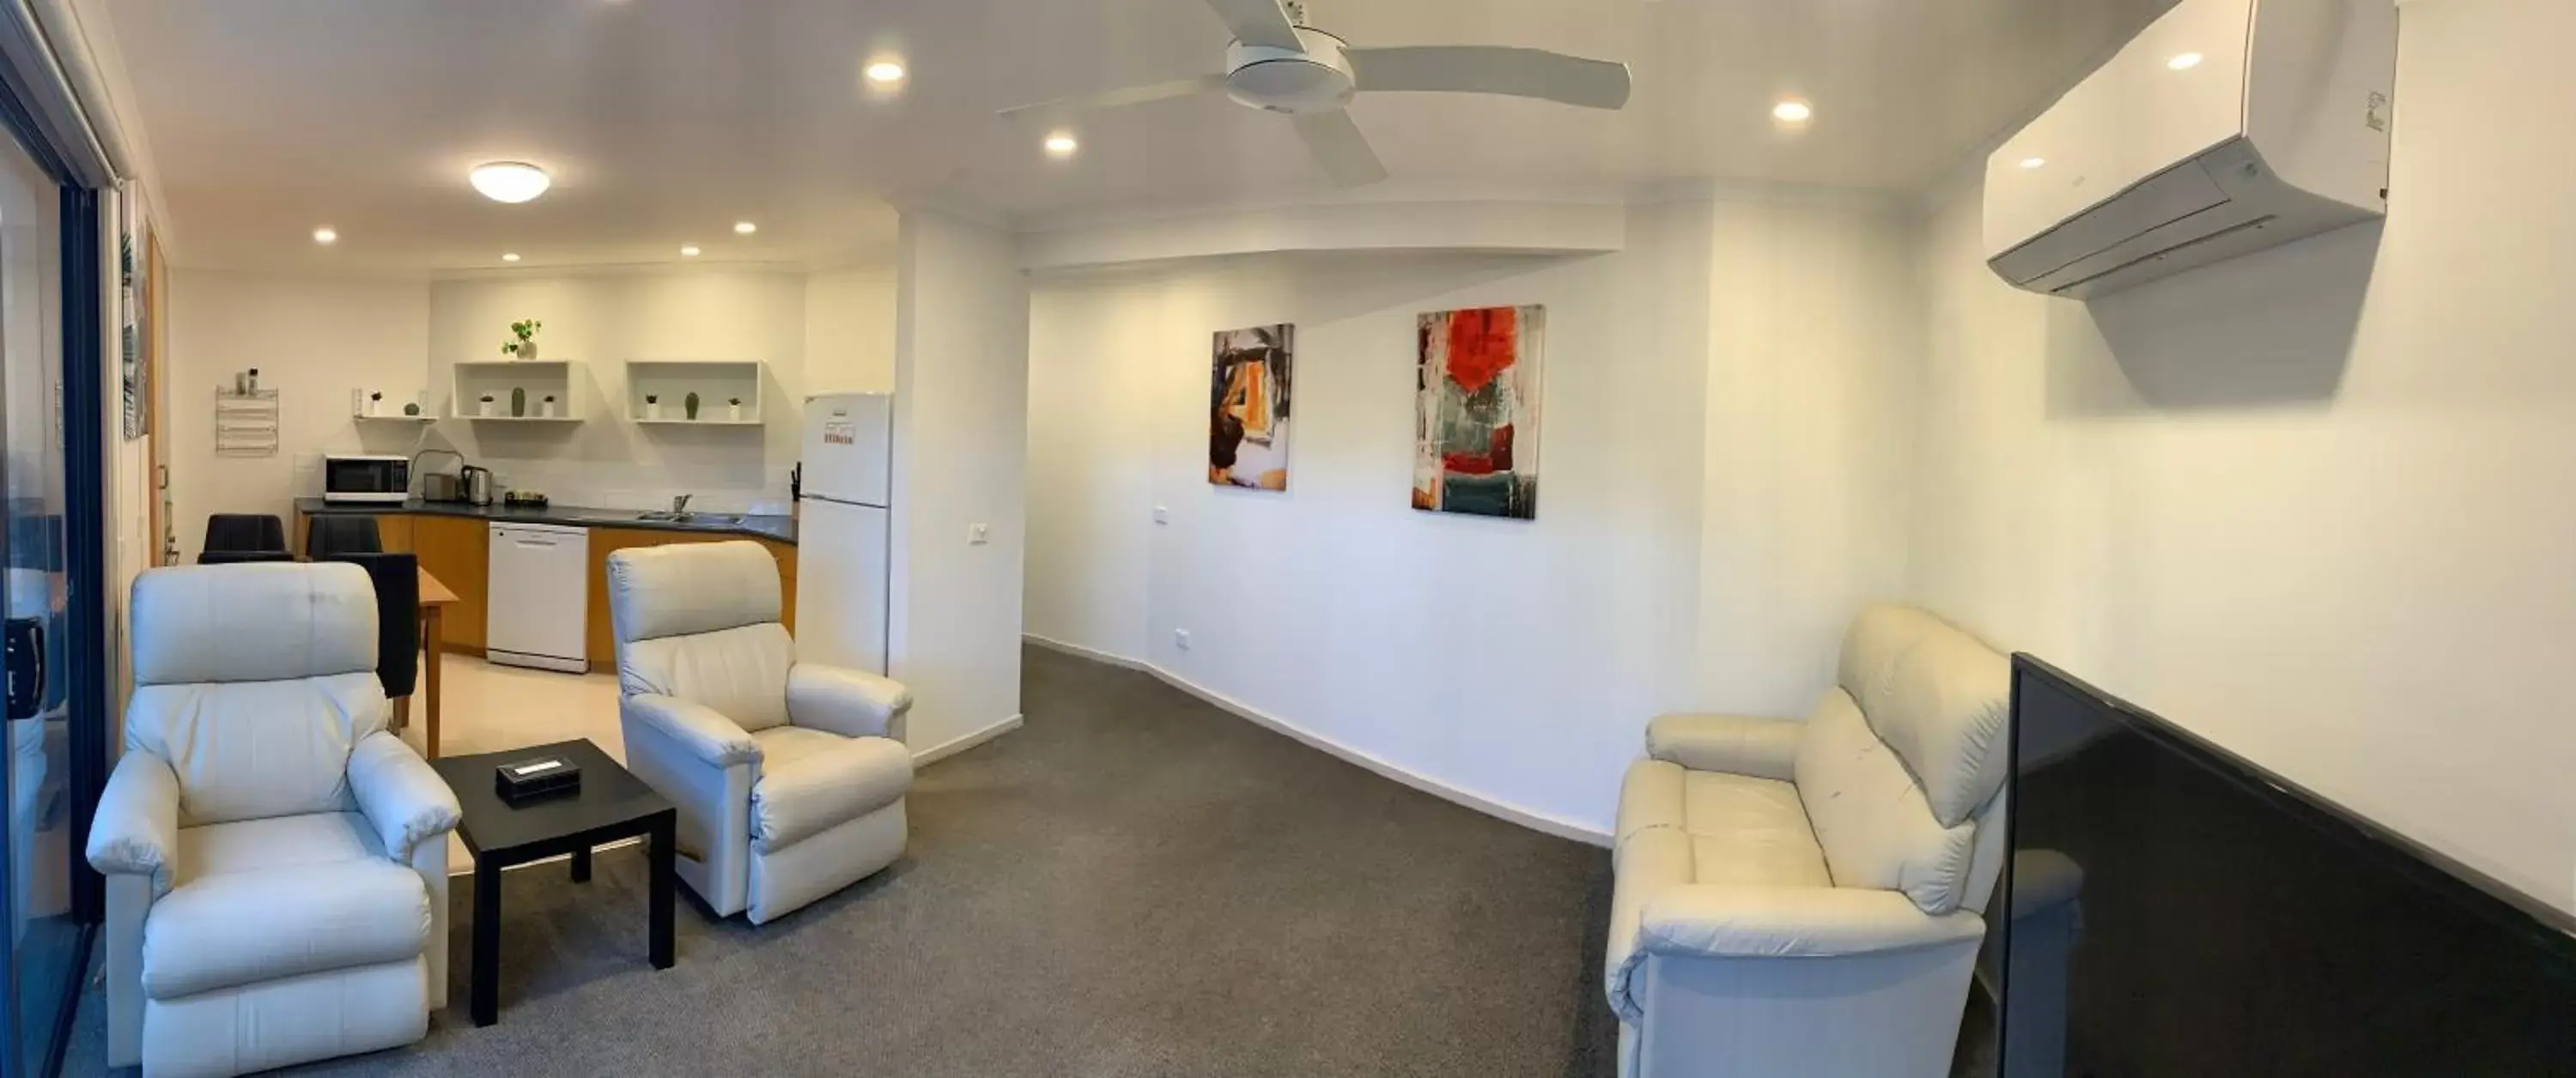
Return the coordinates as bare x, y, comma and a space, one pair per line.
963, 742
1561, 828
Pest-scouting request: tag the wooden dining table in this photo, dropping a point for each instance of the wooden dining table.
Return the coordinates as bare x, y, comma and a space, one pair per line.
435, 598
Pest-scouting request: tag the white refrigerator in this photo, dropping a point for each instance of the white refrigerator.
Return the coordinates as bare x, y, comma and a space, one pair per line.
844, 529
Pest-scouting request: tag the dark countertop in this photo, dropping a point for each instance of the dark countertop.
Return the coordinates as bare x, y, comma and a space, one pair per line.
782, 529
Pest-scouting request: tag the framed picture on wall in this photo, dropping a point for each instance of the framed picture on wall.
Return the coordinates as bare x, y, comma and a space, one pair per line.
1248, 390
130, 299
1476, 395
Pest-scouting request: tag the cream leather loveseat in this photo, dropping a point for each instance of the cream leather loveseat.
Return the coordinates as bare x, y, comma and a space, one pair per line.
1804, 898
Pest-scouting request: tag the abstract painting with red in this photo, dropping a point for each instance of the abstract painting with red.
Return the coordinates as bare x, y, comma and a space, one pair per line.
1476, 412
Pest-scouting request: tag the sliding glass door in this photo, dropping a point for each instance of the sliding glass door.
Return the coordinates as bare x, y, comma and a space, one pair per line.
45, 942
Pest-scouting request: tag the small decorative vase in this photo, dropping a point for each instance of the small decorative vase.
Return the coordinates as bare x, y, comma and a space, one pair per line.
486, 409
519, 403
690, 403
550, 408
733, 412
411, 409
652, 409
527, 349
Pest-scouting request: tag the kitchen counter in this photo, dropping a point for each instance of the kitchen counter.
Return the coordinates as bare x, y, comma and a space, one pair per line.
781, 529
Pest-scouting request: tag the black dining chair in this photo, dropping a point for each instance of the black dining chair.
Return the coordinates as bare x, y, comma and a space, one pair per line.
397, 581
242, 557
243, 533
325, 536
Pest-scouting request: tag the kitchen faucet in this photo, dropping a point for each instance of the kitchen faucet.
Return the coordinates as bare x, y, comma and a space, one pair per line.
679, 505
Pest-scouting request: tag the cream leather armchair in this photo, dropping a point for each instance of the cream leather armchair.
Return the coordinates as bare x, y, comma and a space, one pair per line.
789, 776
1805, 898
276, 862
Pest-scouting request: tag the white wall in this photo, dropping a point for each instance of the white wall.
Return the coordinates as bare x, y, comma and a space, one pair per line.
314, 339
604, 321
849, 330
1701, 533
961, 421
2316, 503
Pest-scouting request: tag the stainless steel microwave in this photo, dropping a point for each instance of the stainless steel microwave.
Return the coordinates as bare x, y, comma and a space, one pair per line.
365, 478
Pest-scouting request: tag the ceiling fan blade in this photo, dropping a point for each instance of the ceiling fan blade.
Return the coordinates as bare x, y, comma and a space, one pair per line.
1068, 107
1340, 148
1484, 69
1258, 22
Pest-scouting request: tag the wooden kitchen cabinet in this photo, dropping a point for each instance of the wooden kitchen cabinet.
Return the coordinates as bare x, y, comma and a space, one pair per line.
602, 650
457, 550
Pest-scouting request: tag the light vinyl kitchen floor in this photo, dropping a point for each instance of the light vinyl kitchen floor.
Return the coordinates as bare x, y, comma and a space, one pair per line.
490, 708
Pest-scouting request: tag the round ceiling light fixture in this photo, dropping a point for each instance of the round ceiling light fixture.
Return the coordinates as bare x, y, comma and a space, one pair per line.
1061, 144
886, 72
326, 235
744, 228
509, 181
689, 251
2184, 62
509, 256
2034, 162
1793, 111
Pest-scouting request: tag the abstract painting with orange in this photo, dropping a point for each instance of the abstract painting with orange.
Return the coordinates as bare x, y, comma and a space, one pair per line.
1475, 430
1248, 407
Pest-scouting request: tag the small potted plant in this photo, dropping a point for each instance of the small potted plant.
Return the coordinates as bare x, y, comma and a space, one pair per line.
487, 406
652, 406
689, 405
523, 339
733, 409
411, 408
519, 403
376, 403
550, 406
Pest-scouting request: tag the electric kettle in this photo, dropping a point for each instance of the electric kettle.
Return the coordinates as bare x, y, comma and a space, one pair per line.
477, 484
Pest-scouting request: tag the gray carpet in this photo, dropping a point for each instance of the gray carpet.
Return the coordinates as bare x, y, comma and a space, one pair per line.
1134, 884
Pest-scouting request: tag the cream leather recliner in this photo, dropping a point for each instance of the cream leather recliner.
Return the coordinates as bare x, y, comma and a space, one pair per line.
789, 776
276, 862
1804, 898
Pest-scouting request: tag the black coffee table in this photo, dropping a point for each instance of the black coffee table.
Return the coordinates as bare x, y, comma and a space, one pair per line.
612, 804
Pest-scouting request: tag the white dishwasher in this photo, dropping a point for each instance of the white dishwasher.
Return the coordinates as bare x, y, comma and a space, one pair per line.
538, 610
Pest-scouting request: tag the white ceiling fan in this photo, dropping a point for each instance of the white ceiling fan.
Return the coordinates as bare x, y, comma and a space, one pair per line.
1280, 64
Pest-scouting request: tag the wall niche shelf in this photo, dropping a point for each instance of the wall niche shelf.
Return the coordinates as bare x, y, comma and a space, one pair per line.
716, 382
389, 412
537, 378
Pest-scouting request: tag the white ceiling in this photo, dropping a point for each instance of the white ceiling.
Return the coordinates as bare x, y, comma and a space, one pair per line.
664, 121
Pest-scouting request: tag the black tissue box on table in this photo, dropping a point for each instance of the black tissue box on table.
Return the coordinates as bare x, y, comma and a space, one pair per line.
536, 776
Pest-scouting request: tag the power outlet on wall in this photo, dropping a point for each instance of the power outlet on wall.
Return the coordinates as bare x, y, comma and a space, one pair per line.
1162, 515
1181, 639
978, 534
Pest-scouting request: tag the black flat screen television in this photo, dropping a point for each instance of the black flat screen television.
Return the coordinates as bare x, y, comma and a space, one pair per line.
2178, 912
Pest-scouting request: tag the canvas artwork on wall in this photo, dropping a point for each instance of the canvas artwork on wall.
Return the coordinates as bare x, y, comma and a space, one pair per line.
1476, 392
1248, 407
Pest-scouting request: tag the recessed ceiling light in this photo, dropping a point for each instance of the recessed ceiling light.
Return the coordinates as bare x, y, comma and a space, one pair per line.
885, 72
744, 228
2033, 162
690, 251
1793, 111
326, 234
1061, 144
509, 181
2184, 62
509, 256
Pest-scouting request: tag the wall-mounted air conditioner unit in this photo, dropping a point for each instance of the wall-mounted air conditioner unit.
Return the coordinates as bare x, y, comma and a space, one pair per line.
2228, 126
